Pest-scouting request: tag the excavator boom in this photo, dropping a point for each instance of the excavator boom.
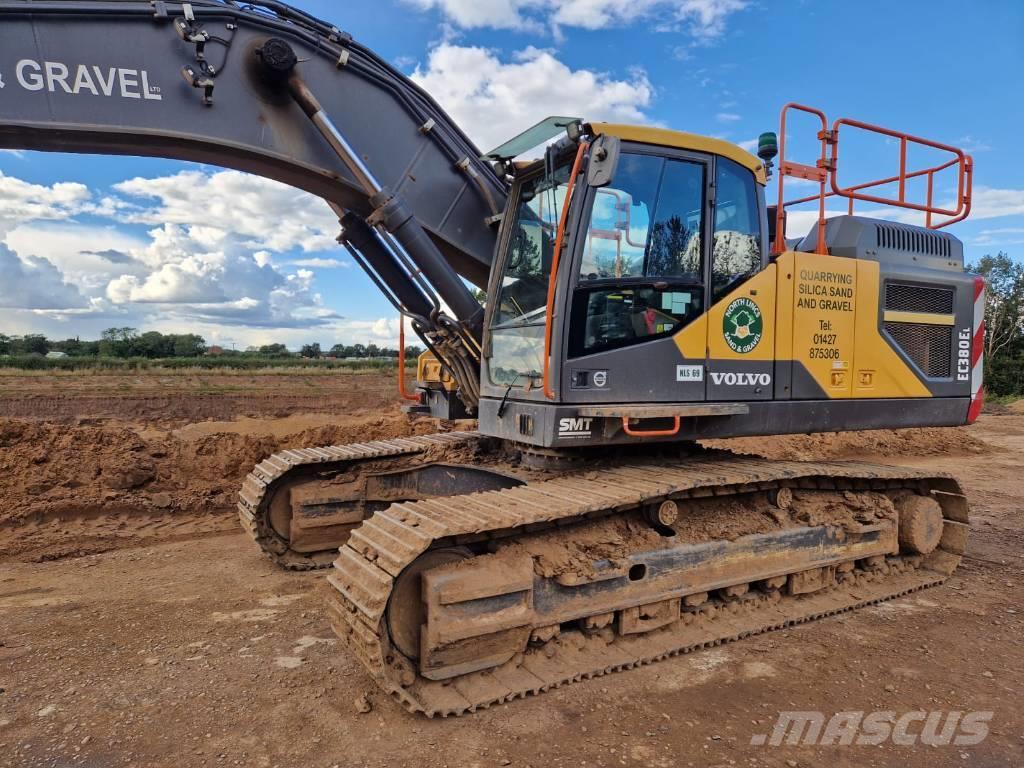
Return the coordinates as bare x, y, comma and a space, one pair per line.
183, 80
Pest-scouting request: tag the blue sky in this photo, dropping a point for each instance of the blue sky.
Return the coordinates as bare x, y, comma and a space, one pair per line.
90, 242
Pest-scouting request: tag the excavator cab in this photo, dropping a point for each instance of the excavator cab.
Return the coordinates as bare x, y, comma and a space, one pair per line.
659, 225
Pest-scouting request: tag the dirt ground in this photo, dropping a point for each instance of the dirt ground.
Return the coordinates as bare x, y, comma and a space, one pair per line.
139, 627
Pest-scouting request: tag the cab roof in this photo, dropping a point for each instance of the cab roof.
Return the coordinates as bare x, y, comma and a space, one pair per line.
681, 140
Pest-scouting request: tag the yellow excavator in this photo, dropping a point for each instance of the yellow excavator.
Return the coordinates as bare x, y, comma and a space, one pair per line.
641, 295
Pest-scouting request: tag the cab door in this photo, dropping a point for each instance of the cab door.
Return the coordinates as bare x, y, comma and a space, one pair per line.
639, 282
741, 321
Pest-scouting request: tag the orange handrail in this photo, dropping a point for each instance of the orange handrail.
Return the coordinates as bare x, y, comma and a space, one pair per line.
555, 258
654, 432
827, 169
401, 364
817, 172
963, 161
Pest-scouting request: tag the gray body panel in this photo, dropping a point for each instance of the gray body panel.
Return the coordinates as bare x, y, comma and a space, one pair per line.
765, 418
962, 285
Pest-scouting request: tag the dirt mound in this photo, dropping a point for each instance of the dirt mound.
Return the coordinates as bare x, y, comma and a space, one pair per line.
930, 441
177, 399
52, 475
1017, 406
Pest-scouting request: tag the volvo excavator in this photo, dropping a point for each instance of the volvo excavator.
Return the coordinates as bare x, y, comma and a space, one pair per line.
641, 296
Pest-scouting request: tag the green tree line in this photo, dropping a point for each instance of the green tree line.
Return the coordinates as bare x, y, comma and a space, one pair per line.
129, 343
1004, 324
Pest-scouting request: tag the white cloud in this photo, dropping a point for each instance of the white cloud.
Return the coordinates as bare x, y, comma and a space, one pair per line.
229, 283
986, 203
704, 20
494, 100
972, 145
215, 257
22, 201
727, 117
34, 283
321, 263
1000, 236
266, 214
989, 203
472, 14
89, 256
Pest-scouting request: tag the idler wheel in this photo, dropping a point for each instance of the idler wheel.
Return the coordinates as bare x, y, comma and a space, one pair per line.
405, 606
920, 527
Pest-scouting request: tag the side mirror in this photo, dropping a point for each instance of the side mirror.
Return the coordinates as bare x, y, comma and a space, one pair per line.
604, 159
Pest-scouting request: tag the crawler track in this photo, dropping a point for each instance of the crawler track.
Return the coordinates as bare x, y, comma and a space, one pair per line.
384, 545
259, 486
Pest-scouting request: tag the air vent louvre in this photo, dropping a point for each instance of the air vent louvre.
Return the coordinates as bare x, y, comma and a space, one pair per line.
911, 239
929, 346
900, 297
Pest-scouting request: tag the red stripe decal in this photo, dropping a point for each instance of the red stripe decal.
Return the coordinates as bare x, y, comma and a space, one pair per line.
976, 403
979, 344
979, 286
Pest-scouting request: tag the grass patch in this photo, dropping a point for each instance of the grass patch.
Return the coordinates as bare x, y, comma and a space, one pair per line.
193, 365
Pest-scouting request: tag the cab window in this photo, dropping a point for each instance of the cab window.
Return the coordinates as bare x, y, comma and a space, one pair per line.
641, 269
517, 327
736, 247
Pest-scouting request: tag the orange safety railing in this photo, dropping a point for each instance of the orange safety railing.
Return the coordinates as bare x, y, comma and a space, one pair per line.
401, 364
825, 171
555, 258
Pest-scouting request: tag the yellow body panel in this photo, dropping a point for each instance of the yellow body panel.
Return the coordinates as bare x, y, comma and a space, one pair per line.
680, 140
760, 289
923, 318
693, 339
824, 319
429, 372
820, 312
784, 282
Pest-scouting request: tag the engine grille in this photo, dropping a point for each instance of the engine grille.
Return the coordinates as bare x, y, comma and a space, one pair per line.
917, 298
929, 346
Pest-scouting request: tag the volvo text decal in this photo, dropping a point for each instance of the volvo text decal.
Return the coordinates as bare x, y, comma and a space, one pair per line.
741, 379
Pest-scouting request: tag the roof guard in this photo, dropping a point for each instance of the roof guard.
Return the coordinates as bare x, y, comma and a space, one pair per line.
825, 171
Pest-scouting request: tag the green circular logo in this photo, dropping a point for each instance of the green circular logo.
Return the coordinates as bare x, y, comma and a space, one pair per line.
742, 325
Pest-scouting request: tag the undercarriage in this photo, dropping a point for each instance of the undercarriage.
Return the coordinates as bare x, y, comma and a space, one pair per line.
468, 574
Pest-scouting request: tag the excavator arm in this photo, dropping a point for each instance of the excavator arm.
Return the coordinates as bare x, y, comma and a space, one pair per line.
267, 89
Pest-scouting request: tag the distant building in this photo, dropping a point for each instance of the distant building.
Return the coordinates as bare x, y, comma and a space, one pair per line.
215, 350
55, 355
